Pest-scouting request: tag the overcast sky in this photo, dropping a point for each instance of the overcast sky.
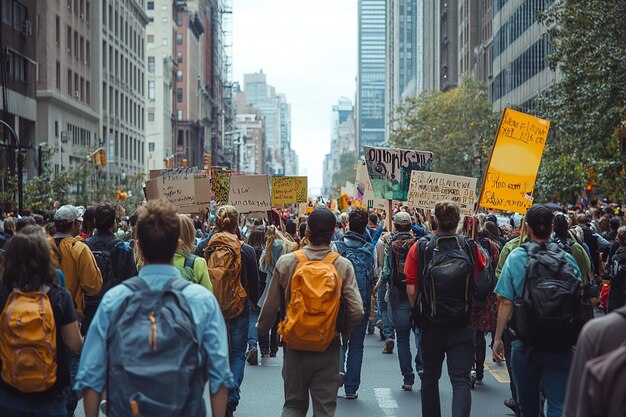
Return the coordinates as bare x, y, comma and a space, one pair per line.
308, 49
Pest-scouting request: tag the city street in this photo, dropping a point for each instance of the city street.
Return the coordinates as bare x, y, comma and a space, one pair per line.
380, 393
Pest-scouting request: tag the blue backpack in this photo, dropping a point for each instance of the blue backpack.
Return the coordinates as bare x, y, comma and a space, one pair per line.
360, 253
151, 348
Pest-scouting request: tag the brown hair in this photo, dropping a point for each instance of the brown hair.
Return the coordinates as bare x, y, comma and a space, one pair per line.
27, 264
272, 234
158, 229
448, 216
226, 219
621, 236
187, 234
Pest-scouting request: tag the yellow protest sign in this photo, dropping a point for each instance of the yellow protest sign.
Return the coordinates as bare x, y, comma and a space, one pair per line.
289, 190
510, 177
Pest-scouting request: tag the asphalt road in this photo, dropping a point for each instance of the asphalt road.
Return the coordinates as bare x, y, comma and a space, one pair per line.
380, 393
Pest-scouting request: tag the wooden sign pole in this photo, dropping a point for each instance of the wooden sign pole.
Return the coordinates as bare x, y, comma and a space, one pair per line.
482, 184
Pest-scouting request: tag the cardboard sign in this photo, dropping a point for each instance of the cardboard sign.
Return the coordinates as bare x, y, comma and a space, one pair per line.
220, 185
186, 189
512, 171
348, 189
289, 190
390, 170
250, 193
427, 188
364, 193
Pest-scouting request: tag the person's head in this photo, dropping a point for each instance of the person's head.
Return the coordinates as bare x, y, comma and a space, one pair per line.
539, 219
320, 227
493, 231
614, 223
448, 215
257, 238
104, 215
226, 219
373, 219
68, 218
516, 221
357, 220
302, 229
274, 237
621, 236
561, 226
158, 230
38, 219
291, 228
402, 222
491, 218
27, 265
582, 219
471, 225
23, 222
89, 220
343, 218
9, 225
187, 239
33, 230
596, 214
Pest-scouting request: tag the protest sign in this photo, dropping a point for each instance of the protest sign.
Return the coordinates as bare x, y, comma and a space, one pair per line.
186, 189
389, 170
289, 190
250, 193
427, 188
510, 178
364, 193
220, 185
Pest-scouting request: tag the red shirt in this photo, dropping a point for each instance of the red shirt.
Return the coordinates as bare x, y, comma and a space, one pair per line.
412, 267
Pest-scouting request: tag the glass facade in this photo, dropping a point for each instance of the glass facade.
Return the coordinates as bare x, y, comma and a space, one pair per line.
371, 77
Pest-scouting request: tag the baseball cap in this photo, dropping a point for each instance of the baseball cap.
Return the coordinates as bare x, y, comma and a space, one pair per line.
68, 214
402, 219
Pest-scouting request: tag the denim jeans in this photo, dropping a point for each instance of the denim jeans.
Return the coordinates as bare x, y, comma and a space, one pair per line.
534, 369
400, 311
457, 345
72, 396
352, 366
252, 334
268, 342
238, 342
11, 406
383, 311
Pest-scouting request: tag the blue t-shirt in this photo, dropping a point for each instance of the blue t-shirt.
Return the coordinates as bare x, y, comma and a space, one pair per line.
511, 282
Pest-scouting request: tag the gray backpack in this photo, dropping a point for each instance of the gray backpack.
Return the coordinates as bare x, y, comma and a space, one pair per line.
151, 348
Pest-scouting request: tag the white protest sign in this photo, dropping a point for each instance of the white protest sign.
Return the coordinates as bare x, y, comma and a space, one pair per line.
364, 193
250, 193
427, 188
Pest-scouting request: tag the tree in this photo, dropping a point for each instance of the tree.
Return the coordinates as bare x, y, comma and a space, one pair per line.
346, 172
586, 105
458, 126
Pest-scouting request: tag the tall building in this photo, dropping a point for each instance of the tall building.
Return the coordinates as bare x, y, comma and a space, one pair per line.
249, 123
342, 141
18, 74
469, 36
371, 111
483, 50
520, 51
441, 30
119, 28
404, 41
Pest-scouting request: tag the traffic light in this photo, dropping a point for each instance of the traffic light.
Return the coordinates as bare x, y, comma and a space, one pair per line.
184, 163
121, 193
103, 157
167, 163
207, 159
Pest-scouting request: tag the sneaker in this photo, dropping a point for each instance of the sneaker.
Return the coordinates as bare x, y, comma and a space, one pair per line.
389, 344
264, 358
252, 357
382, 335
420, 373
379, 324
479, 381
353, 396
407, 387
472, 379
510, 403
370, 329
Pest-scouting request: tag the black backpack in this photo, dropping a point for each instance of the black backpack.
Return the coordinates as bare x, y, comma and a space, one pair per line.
399, 247
617, 272
447, 283
104, 259
486, 279
548, 315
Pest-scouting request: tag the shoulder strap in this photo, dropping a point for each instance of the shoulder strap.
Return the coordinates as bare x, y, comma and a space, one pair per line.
177, 284
341, 246
136, 284
301, 256
190, 260
330, 258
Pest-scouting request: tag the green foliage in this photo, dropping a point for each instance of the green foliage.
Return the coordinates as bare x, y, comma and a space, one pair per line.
586, 105
346, 171
458, 126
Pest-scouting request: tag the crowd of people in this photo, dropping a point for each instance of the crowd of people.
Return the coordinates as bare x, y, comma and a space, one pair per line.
118, 310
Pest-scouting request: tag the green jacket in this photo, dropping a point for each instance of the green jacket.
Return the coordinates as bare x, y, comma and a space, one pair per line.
200, 270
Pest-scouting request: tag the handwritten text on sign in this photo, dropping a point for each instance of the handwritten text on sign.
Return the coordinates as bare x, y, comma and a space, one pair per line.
427, 188
390, 170
510, 177
289, 190
250, 193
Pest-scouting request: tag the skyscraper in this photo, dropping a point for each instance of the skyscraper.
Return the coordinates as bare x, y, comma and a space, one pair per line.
441, 44
371, 111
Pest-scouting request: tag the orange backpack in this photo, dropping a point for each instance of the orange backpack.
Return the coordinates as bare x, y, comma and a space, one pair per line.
223, 258
28, 342
311, 322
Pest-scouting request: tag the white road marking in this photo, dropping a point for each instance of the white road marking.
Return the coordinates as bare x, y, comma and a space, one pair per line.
387, 404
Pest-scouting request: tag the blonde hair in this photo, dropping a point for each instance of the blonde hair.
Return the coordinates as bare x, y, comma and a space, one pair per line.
226, 219
272, 234
187, 234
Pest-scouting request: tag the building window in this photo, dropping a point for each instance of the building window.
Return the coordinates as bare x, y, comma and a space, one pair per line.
150, 38
69, 39
57, 30
179, 39
179, 115
179, 95
58, 75
19, 16
151, 116
151, 64
151, 91
88, 92
87, 11
69, 82
88, 53
179, 75
150, 5
76, 44
150, 146
179, 57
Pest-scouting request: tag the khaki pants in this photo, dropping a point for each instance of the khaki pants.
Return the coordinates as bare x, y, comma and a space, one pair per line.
315, 373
